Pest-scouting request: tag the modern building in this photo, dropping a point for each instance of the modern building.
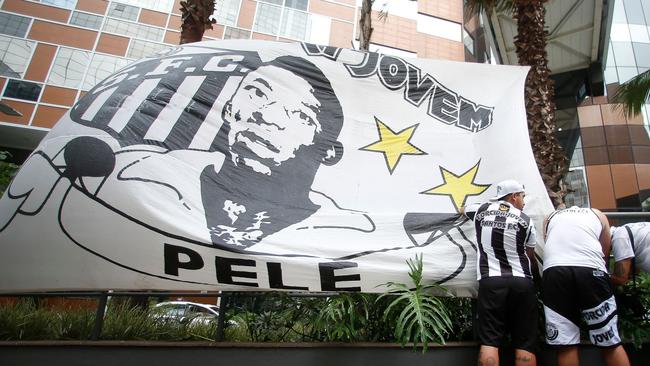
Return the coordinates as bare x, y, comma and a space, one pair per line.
53, 51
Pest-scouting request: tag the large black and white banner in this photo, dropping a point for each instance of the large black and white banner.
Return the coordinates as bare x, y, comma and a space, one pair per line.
261, 165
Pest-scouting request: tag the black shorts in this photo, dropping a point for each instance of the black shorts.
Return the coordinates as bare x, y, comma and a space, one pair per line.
575, 293
507, 305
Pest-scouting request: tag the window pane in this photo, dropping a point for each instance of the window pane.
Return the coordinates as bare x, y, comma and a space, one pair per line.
267, 19
164, 6
68, 4
236, 33
226, 11
101, 67
133, 30
639, 33
14, 56
468, 41
123, 11
619, 33
634, 12
25, 90
140, 49
13, 25
623, 53
277, 2
297, 4
294, 24
86, 20
642, 54
68, 68
626, 73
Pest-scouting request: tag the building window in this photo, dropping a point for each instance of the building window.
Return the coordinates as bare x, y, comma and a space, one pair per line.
236, 33
86, 20
101, 67
577, 183
287, 21
13, 25
68, 4
14, 56
140, 49
226, 11
164, 6
295, 24
123, 11
267, 19
133, 30
25, 90
468, 41
68, 68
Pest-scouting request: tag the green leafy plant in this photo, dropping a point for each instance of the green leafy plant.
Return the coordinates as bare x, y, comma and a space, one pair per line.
632, 328
344, 317
422, 317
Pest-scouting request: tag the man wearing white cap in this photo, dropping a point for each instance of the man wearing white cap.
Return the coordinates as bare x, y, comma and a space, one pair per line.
630, 243
505, 266
577, 287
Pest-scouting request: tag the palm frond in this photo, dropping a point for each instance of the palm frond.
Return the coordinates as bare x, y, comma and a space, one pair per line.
633, 94
477, 6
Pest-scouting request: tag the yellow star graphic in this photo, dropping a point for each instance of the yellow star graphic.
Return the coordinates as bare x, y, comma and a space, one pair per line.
393, 145
458, 187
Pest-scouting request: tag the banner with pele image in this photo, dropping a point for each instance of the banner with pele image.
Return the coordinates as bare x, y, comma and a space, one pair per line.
252, 165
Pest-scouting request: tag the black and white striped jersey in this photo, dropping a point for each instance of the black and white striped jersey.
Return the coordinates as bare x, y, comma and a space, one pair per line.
502, 233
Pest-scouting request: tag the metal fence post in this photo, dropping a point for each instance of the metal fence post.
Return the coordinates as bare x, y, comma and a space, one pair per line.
99, 317
225, 300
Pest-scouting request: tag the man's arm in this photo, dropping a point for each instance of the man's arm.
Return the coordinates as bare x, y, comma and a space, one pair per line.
621, 272
605, 236
530, 251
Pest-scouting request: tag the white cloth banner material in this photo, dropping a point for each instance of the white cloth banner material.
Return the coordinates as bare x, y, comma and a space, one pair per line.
255, 165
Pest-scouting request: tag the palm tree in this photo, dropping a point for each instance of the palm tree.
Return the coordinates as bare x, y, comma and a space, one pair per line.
530, 43
365, 24
195, 15
633, 94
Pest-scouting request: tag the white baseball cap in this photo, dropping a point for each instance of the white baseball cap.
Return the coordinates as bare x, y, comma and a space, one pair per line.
507, 187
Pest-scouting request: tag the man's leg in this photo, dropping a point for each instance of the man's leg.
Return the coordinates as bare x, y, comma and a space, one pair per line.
567, 356
524, 358
615, 356
488, 356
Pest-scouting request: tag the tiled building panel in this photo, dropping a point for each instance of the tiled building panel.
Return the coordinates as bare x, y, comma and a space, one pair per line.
601, 188
394, 32
26, 109
643, 175
635, 120
263, 36
446, 9
58, 95
175, 22
590, 116
216, 31
47, 116
341, 34
620, 154
36, 10
62, 34
638, 135
595, 155
2, 83
612, 114
172, 37
40, 64
641, 154
176, 7
153, 18
92, 6
428, 46
246, 14
330, 9
617, 135
112, 44
625, 180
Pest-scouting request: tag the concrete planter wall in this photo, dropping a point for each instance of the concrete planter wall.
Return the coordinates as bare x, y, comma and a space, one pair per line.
111, 353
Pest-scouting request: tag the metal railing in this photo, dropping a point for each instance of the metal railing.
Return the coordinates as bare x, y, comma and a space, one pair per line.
619, 218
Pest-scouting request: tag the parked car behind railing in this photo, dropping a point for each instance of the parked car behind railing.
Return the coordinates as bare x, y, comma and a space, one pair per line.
186, 312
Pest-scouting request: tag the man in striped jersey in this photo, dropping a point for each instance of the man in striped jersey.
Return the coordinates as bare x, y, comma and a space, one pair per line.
576, 285
505, 266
